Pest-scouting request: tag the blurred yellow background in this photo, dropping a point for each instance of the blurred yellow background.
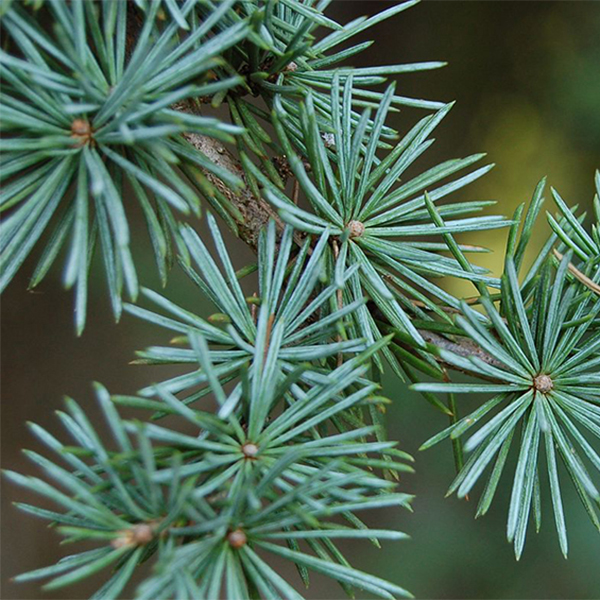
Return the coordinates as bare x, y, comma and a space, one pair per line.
527, 80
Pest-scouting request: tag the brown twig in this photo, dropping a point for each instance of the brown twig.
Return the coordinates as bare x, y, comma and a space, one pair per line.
579, 275
268, 336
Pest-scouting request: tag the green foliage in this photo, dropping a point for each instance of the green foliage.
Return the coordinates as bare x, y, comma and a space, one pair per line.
543, 340
384, 231
273, 436
84, 107
298, 52
572, 234
93, 105
272, 466
546, 383
288, 316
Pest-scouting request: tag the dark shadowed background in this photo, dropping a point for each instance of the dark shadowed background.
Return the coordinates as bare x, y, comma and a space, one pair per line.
527, 80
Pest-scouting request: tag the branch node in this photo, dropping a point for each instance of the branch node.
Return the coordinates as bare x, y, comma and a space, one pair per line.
237, 538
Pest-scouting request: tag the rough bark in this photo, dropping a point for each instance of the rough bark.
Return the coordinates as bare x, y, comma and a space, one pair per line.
255, 211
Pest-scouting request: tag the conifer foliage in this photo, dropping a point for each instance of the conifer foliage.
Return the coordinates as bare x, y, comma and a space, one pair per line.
272, 441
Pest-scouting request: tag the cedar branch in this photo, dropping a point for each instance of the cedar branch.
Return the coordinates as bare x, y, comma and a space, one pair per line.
256, 213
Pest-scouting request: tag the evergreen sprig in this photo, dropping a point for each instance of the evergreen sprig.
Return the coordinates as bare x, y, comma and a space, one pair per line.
544, 337
95, 99
88, 120
269, 470
276, 433
382, 230
289, 314
298, 53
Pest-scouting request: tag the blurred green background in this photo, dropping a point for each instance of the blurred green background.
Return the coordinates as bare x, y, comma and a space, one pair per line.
527, 80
